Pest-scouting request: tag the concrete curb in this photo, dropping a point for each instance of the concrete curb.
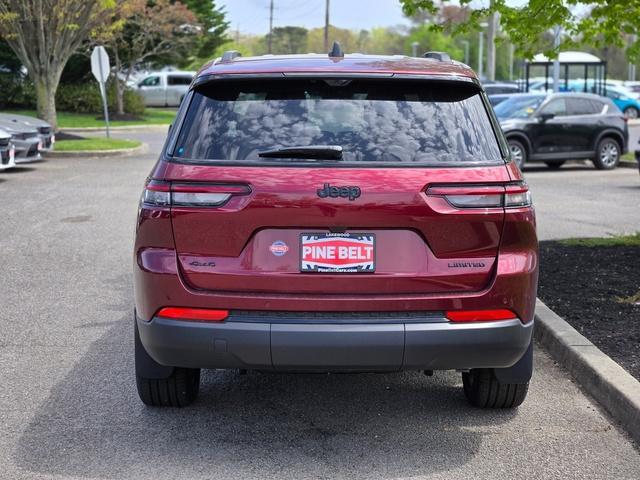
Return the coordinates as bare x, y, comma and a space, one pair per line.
124, 152
126, 128
628, 164
607, 382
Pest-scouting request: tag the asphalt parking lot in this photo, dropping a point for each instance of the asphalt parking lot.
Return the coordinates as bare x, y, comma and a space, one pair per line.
69, 409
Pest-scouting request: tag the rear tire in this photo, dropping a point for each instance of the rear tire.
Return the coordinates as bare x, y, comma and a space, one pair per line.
483, 390
554, 165
518, 152
607, 155
179, 389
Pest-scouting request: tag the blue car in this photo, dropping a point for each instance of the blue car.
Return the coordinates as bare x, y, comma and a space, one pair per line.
625, 99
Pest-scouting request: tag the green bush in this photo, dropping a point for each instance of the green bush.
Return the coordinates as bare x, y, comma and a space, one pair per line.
80, 98
16, 92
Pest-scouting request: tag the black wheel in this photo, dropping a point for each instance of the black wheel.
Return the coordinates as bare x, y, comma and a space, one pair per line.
631, 112
178, 389
518, 152
482, 389
607, 154
554, 165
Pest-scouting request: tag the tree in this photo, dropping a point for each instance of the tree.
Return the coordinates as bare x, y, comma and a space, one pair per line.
44, 34
595, 23
142, 31
287, 40
214, 25
315, 39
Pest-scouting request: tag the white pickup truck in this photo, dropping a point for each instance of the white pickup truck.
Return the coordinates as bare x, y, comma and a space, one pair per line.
164, 89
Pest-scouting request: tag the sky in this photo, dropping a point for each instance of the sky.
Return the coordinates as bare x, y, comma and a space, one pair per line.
252, 16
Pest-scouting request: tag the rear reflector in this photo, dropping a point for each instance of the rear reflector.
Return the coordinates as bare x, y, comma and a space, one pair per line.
199, 314
480, 315
510, 195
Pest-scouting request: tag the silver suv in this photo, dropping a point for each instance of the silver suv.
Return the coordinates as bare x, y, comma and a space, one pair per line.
164, 89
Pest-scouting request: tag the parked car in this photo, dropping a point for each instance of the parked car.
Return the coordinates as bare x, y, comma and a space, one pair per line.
7, 151
45, 130
498, 98
335, 213
25, 139
626, 100
497, 88
164, 89
563, 126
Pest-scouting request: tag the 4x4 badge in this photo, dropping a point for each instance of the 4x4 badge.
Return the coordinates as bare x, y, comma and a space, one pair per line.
350, 191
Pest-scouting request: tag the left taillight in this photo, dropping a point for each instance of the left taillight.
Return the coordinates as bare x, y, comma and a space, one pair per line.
157, 193
164, 194
510, 195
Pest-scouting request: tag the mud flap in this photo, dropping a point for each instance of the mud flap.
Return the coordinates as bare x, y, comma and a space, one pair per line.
147, 367
520, 372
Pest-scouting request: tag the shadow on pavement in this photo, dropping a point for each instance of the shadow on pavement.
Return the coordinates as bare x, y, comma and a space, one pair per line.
20, 169
256, 425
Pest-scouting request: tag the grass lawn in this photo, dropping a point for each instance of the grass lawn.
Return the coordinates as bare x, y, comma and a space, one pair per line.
632, 240
629, 157
94, 144
152, 116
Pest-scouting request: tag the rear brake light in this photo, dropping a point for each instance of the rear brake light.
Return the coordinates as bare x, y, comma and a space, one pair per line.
484, 196
480, 315
199, 314
190, 194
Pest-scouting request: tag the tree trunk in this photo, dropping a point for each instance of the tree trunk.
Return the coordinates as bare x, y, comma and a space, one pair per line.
119, 96
120, 85
46, 86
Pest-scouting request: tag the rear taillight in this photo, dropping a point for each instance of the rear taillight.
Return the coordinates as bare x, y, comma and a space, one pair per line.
480, 315
197, 314
164, 194
511, 195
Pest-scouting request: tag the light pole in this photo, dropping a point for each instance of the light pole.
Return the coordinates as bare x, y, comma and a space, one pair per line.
556, 62
414, 48
632, 66
466, 51
511, 52
480, 48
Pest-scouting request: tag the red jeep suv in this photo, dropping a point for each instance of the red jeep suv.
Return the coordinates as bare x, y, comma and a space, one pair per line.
332, 213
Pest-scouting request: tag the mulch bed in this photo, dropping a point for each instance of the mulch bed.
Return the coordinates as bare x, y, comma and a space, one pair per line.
593, 288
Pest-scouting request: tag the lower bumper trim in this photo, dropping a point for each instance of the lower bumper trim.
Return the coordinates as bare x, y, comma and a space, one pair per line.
335, 347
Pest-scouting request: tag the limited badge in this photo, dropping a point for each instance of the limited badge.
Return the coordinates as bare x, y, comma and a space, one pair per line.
279, 248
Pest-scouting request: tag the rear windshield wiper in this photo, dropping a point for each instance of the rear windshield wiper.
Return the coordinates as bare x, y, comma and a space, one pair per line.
316, 152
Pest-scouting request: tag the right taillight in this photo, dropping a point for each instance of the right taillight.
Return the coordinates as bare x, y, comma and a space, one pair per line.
517, 195
161, 194
511, 195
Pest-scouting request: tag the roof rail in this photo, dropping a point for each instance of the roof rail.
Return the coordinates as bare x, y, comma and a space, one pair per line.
336, 50
229, 56
440, 56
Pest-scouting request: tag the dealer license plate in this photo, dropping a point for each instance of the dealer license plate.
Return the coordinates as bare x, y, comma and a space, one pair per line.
338, 252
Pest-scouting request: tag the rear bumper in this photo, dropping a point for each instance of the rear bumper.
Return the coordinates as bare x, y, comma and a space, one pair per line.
372, 344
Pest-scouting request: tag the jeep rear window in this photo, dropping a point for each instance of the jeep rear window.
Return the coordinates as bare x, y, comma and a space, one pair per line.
374, 121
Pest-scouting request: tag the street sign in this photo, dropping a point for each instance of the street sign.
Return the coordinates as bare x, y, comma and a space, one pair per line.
100, 69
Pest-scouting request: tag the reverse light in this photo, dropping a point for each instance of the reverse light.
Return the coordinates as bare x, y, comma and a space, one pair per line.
480, 315
197, 314
510, 195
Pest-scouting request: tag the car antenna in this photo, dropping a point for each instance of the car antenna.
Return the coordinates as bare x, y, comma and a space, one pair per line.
336, 50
